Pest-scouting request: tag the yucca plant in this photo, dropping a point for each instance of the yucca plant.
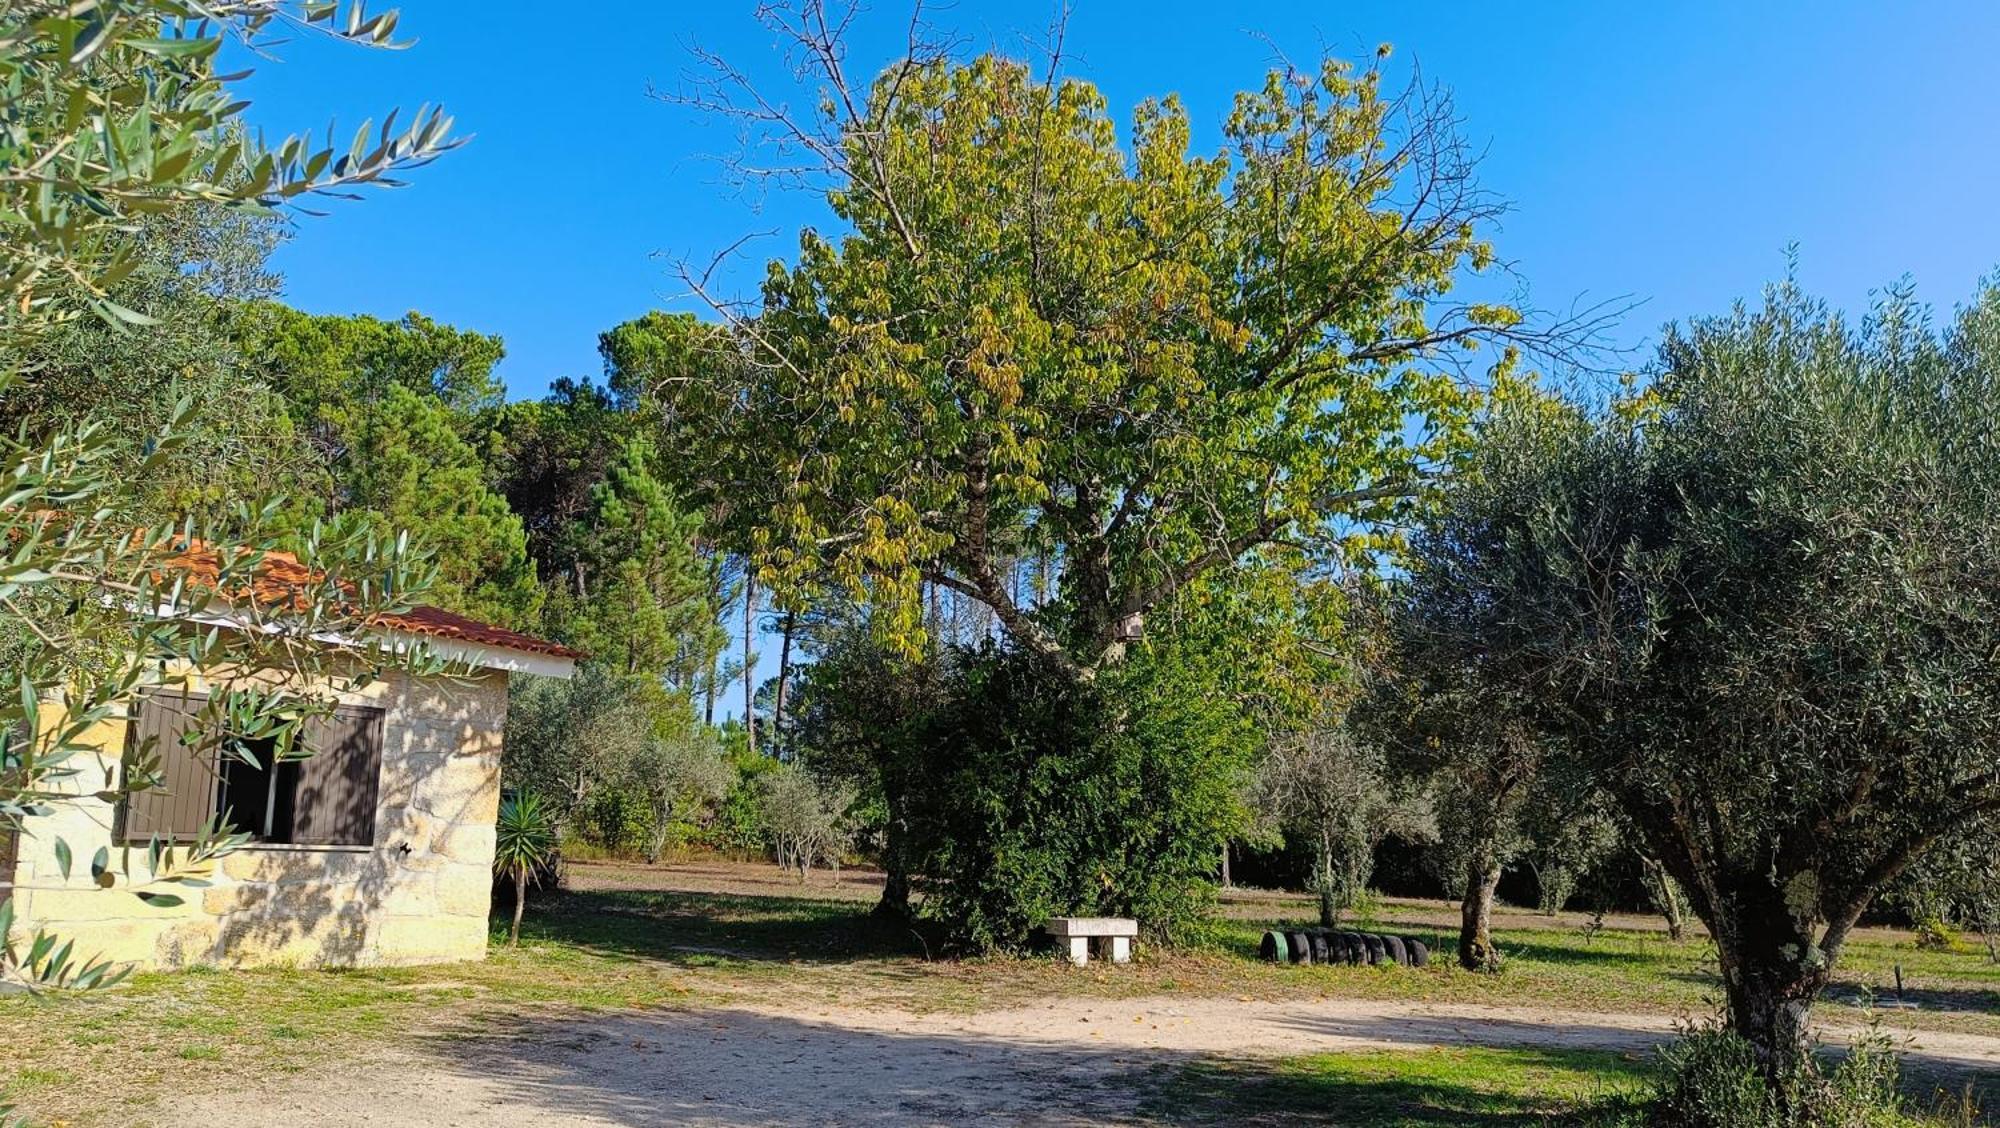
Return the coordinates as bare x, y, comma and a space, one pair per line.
524, 841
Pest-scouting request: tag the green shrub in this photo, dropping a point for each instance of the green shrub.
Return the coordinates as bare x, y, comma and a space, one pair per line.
1047, 797
738, 826
617, 820
1711, 1079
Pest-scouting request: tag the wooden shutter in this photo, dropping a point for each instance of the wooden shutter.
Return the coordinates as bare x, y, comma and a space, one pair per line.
10, 839
334, 801
186, 798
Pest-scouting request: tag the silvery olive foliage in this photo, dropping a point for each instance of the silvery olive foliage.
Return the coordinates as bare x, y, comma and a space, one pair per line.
805, 817
1336, 791
114, 109
112, 112
1760, 601
681, 776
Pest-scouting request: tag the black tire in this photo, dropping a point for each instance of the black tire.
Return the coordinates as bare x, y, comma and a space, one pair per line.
1302, 952
1376, 952
1322, 953
1397, 955
1350, 947
1273, 948
1419, 955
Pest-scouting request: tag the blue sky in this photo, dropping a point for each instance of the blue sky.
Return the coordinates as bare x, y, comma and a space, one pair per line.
1669, 152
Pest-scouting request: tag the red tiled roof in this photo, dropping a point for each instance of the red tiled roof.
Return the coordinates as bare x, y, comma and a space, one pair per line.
281, 577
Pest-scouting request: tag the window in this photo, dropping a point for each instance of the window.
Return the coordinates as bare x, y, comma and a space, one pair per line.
325, 799
259, 799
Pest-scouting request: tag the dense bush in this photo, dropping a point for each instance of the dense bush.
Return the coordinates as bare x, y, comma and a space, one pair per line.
1108, 798
1712, 1079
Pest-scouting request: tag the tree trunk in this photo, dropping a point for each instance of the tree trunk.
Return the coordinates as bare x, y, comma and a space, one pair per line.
1226, 882
1771, 1013
656, 841
749, 659
520, 904
1475, 931
1329, 913
714, 672
1773, 967
895, 902
1665, 897
783, 741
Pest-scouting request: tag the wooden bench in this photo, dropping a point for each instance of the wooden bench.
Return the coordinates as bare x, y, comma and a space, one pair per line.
1113, 937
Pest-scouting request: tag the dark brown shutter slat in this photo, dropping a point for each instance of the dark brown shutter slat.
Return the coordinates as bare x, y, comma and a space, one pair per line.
186, 799
334, 803
10, 840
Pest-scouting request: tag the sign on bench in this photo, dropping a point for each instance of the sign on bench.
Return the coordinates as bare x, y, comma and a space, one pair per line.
1112, 935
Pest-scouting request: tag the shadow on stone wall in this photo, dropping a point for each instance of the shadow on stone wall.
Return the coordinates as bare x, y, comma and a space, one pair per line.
421, 893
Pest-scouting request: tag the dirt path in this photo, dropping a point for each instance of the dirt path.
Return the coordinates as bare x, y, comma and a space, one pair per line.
1071, 1061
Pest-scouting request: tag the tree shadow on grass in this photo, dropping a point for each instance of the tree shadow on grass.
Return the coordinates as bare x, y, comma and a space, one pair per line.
1970, 1000
692, 929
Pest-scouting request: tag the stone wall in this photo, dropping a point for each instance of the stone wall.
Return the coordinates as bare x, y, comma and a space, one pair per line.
421, 894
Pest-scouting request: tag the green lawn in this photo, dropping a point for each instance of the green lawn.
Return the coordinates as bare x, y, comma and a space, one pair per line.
635, 947
1439, 1088
1634, 969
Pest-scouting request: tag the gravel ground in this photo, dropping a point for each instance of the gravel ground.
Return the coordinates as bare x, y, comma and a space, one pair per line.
1072, 1061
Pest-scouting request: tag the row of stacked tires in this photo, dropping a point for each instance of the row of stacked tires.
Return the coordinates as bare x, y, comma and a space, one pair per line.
1329, 946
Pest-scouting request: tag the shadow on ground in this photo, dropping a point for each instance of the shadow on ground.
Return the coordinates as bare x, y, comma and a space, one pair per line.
735, 1068
692, 929
727, 1067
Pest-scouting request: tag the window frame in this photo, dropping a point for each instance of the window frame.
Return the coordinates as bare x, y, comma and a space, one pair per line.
351, 808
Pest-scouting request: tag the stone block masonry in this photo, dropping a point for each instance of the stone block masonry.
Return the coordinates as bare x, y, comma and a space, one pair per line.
420, 893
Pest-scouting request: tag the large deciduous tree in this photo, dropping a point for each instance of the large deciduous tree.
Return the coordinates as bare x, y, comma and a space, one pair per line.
1763, 603
1027, 337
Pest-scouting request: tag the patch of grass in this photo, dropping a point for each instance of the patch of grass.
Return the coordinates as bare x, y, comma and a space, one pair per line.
33, 1079
1480, 1088
1637, 970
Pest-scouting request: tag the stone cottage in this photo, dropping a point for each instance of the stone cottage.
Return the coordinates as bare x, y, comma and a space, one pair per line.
377, 849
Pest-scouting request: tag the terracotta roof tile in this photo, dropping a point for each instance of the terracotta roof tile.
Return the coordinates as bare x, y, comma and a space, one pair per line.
280, 578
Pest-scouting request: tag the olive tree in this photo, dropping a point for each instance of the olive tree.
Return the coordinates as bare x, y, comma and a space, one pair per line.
679, 775
1480, 752
1337, 791
807, 818
1761, 602
111, 112
1957, 885
567, 740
